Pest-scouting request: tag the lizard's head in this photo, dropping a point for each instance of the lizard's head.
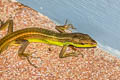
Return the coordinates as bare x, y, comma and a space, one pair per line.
83, 40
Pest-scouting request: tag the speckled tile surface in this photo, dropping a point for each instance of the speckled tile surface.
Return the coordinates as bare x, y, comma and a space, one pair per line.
96, 64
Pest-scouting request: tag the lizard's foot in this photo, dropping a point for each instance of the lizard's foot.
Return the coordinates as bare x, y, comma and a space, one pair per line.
73, 54
28, 58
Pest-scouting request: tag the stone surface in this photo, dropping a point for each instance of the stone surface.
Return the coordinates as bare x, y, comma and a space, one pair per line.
96, 64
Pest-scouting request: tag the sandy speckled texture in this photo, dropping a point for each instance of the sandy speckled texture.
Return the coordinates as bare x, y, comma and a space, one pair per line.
96, 64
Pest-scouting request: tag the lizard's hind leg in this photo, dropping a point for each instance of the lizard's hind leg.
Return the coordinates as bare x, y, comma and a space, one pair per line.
24, 44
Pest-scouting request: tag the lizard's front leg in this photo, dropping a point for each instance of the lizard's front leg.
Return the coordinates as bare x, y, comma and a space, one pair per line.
63, 53
66, 26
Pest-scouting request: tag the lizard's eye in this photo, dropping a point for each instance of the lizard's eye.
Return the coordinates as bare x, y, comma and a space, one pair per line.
82, 43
